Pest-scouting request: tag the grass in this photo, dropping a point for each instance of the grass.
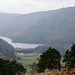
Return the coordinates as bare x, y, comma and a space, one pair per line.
27, 59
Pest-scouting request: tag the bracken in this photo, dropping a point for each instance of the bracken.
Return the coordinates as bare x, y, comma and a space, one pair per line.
72, 72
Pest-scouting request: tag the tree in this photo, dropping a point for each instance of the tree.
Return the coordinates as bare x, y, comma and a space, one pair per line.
2, 64
33, 67
8, 67
14, 68
69, 57
72, 57
50, 59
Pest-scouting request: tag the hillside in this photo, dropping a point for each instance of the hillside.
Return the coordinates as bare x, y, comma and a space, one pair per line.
11, 23
56, 27
4, 26
6, 49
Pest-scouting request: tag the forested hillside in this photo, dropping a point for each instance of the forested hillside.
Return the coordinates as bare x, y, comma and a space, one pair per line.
6, 50
56, 27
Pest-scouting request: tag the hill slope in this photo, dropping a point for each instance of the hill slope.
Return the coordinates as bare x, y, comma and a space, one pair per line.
56, 27
6, 49
11, 23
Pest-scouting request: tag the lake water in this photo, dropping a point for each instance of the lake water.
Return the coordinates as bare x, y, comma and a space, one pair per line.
20, 45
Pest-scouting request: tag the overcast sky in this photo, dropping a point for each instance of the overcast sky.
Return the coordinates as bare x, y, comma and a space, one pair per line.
29, 6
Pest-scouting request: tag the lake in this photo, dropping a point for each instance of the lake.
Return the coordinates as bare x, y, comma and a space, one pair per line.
19, 45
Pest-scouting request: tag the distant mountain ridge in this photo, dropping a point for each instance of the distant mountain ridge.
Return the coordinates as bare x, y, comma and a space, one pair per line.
56, 27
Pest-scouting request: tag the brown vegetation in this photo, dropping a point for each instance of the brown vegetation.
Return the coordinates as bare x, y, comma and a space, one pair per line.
72, 72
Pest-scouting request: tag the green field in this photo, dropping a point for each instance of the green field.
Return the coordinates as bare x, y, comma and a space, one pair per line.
27, 59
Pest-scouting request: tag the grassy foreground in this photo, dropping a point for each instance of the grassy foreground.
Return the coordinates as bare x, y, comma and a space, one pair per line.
27, 59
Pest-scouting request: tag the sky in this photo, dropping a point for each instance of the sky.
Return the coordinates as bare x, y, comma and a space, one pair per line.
30, 6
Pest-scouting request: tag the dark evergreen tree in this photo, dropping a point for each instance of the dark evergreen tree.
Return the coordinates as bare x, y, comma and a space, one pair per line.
69, 57
72, 57
8, 67
50, 59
